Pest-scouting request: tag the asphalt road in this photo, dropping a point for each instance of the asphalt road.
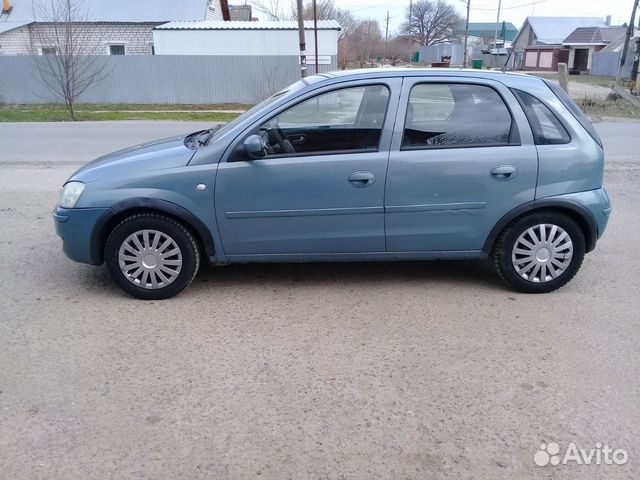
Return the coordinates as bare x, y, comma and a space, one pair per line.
328, 371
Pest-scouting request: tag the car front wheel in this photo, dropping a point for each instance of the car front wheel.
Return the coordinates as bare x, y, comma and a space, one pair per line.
539, 253
151, 257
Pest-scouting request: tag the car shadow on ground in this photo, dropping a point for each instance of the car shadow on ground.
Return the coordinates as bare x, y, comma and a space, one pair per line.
470, 272
426, 274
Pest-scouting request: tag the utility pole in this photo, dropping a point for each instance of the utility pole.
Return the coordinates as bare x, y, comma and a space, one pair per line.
495, 42
386, 37
303, 43
315, 33
627, 38
466, 35
634, 70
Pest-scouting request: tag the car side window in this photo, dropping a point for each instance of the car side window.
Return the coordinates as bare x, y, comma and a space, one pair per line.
347, 119
546, 128
456, 115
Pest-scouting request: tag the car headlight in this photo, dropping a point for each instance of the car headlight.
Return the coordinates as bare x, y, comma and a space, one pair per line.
70, 194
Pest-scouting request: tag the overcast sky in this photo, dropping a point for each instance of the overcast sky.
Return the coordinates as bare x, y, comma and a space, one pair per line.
515, 11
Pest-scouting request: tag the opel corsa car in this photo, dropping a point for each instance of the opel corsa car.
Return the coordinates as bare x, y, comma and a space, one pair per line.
360, 165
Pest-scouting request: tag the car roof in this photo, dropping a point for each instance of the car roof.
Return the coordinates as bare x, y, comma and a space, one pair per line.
509, 78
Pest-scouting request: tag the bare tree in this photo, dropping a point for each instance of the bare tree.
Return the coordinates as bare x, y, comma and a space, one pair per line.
430, 22
325, 10
271, 8
398, 50
69, 62
366, 41
346, 39
270, 81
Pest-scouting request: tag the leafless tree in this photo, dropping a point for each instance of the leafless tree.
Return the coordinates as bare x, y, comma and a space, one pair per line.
325, 10
366, 41
273, 9
69, 62
346, 39
430, 22
270, 81
398, 50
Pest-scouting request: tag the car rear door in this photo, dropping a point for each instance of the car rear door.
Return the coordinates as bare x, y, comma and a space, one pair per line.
462, 156
326, 196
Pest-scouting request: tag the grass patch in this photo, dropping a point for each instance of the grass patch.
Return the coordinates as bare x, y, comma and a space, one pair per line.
98, 112
612, 106
588, 79
59, 115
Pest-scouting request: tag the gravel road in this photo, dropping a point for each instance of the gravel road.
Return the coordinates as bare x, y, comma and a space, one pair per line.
328, 371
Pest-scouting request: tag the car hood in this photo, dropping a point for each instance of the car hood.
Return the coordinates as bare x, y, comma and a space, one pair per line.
156, 155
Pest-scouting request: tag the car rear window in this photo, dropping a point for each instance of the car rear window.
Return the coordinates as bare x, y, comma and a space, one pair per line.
448, 115
546, 128
574, 109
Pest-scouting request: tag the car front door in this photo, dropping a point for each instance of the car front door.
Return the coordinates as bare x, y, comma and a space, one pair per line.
462, 156
319, 188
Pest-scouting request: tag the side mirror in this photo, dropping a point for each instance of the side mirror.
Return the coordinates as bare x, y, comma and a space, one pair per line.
254, 147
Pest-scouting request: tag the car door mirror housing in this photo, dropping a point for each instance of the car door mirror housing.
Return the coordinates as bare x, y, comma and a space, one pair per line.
254, 146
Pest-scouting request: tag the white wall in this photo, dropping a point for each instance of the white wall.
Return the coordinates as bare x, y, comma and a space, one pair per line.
242, 42
214, 11
15, 42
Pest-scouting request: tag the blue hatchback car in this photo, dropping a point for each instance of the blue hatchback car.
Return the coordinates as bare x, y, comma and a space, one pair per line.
393, 164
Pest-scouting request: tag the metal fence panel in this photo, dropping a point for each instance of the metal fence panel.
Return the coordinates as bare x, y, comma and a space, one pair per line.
179, 79
434, 53
605, 64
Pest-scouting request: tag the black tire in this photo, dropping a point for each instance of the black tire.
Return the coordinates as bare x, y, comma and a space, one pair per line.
502, 255
183, 238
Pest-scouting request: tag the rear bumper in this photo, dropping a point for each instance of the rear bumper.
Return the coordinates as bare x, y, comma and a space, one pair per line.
595, 206
75, 226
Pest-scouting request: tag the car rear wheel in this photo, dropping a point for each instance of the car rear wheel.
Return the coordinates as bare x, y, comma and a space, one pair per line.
151, 257
539, 253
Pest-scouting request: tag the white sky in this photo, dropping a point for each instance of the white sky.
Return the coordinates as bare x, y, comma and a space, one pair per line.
515, 11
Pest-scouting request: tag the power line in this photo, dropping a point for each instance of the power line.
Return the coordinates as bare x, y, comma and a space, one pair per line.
377, 5
511, 8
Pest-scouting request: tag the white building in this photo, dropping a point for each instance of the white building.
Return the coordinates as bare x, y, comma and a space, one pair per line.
107, 27
247, 39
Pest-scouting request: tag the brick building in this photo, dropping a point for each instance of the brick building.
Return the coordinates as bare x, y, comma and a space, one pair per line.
106, 27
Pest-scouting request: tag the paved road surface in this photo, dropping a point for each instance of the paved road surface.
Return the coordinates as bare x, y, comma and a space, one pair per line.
395, 370
79, 142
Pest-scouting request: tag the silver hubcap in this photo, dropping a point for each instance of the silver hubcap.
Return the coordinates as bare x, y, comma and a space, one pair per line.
542, 253
150, 259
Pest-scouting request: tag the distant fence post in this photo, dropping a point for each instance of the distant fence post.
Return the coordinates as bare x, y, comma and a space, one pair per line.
563, 74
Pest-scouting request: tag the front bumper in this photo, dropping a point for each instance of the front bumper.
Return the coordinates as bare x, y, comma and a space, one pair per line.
76, 226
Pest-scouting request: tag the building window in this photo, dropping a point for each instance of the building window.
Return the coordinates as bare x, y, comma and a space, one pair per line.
116, 49
153, 49
48, 51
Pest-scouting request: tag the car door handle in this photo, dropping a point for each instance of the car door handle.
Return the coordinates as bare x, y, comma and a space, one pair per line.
362, 179
504, 172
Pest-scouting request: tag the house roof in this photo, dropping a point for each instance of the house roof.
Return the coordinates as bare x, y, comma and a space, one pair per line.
114, 11
488, 30
6, 26
553, 30
240, 25
616, 44
594, 35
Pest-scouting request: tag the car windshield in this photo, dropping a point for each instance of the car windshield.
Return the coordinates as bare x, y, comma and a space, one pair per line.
294, 87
